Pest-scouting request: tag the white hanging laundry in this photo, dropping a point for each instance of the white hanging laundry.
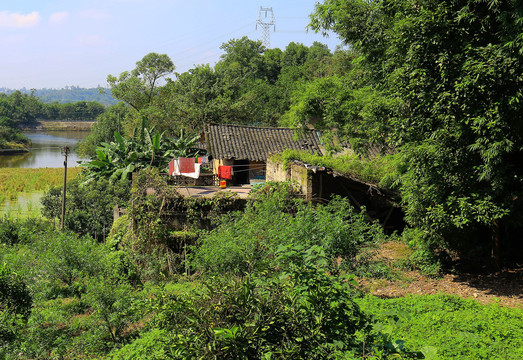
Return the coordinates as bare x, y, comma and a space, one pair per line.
174, 167
195, 174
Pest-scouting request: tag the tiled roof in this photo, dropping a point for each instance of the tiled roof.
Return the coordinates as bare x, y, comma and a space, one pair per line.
256, 143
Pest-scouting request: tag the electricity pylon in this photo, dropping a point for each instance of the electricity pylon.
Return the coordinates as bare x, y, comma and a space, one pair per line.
266, 23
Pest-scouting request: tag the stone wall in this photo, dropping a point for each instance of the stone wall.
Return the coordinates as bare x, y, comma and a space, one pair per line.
296, 173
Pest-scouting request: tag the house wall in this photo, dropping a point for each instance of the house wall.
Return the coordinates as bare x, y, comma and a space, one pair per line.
220, 162
249, 169
308, 184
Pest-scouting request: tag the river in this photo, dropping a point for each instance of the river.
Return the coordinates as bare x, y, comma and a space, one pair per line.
46, 150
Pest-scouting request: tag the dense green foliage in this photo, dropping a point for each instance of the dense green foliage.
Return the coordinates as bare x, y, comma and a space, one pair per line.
449, 327
249, 85
12, 138
304, 313
147, 148
89, 206
103, 129
248, 241
26, 109
440, 82
69, 94
65, 296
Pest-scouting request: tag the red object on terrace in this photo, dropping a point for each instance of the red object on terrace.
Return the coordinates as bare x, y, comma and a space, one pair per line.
224, 172
186, 165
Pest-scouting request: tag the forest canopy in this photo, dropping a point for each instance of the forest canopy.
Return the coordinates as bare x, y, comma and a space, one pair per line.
440, 82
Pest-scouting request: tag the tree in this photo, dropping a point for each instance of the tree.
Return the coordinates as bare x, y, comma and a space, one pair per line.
452, 72
139, 86
104, 128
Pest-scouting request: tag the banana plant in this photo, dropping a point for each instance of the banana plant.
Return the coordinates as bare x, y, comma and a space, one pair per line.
146, 148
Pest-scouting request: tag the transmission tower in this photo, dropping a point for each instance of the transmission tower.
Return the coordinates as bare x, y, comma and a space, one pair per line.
266, 22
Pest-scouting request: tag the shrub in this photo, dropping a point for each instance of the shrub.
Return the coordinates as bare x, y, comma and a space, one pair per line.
111, 301
14, 231
248, 241
67, 262
15, 304
89, 206
424, 248
306, 313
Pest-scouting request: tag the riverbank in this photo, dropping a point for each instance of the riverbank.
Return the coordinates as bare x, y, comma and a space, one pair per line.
61, 126
13, 151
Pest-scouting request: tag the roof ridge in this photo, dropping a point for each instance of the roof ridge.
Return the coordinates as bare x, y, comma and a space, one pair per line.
259, 127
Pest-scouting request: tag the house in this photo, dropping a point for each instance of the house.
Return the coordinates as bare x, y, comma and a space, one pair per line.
319, 184
247, 148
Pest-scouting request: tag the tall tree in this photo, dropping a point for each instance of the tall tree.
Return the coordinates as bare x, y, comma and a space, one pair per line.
139, 86
453, 73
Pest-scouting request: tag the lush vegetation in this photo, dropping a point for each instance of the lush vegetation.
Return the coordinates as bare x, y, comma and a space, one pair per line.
26, 109
435, 83
68, 94
379, 170
12, 138
15, 180
282, 289
249, 85
440, 82
146, 148
448, 327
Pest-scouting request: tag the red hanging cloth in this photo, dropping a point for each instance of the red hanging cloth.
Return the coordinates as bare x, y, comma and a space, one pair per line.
186, 165
224, 172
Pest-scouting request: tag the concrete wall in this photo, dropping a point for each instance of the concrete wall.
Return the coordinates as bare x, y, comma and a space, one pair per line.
297, 173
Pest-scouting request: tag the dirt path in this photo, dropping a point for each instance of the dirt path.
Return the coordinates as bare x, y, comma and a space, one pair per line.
504, 287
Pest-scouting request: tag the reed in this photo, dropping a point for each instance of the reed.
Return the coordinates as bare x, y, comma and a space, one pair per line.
15, 180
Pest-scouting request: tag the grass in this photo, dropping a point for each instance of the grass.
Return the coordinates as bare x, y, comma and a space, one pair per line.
16, 180
449, 327
378, 170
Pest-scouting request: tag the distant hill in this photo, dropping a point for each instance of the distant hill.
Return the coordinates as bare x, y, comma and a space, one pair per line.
69, 94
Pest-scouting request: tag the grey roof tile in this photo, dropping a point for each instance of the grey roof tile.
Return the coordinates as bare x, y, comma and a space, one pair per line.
256, 143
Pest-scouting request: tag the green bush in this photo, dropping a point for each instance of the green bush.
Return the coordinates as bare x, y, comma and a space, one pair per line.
247, 241
424, 248
152, 345
66, 262
15, 304
305, 312
14, 231
89, 206
112, 303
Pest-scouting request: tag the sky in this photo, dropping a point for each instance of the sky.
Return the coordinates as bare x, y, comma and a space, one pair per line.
57, 43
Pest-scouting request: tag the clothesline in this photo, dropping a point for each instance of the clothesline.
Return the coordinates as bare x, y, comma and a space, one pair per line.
260, 169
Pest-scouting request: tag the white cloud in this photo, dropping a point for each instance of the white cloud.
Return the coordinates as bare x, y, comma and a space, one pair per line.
17, 20
94, 14
59, 17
